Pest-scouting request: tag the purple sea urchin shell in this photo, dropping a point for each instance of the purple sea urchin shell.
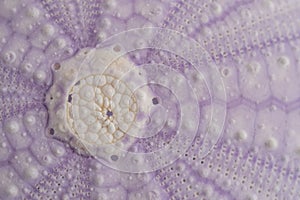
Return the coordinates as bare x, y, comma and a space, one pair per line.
149, 99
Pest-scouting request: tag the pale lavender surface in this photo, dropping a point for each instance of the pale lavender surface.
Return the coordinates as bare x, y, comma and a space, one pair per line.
255, 45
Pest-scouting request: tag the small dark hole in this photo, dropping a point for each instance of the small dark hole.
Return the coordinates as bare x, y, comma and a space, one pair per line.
114, 157
77, 83
117, 48
70, 98
155, 101
51, 131
56, 66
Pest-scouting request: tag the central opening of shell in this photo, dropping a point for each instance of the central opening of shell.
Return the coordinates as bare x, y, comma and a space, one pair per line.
100, 109
109, 113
